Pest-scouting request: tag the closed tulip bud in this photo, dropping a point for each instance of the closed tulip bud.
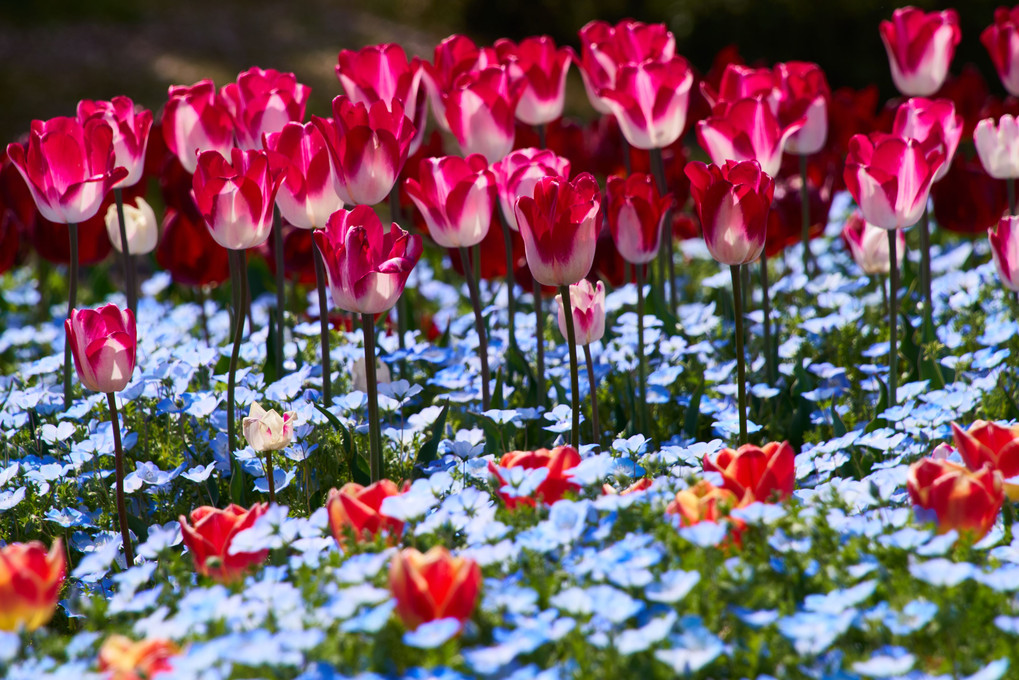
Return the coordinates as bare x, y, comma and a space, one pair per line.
1002, 42
69, 166
480, 112
355, 508
122, 658
932, 122
103, 344
1004, 238
236, 195
30, 581
587, 301
998, 146
359, 376
636, 214
208, 536
434, 585
991, 444
307, 196
920, 47
961, 499
130, 133
746, 130
869, 244
605, 48
456, 197
732, 202
559, 225
196, 119
518, 172
764, 473
542, 69
268, 430
559, 461
650, 100
140, 225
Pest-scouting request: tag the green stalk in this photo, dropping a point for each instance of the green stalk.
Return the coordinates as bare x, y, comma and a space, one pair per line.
539, 336
769, 359
479, 325
593, 389
734, 271
119, 458
375, 462
241, 280
925, 267
277, 236
269, 478
511, 305
665, 266
125, 251
72, 301
401, 305
645, 419
805, 214
323, 318
571, 341
542, 140
893, 321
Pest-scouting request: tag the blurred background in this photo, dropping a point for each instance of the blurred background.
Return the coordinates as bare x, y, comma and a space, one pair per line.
56, 52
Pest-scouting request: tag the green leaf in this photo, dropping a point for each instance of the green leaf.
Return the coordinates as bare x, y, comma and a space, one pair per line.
360, 471
838, 427
139, 527
269, 367
693, 411
498, 400
882, 404
430, 449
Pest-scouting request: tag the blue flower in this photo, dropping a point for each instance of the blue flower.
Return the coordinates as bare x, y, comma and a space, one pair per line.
432, 634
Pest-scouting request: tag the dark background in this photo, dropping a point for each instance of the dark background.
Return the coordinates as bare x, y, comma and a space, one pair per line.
55, 52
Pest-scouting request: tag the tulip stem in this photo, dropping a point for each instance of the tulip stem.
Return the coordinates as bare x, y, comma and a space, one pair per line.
511, 306
741, 387
893, 321
374, 429
644, 418
571, 341
203, 316
125, 252
323, 319
1010, 186
269, 478
539, 337
805, 215
593, 389
401, 304
666, 267
925, 267
118, 449
479, 325
240, 280
542, 137
769, 359
277, 242
72, 301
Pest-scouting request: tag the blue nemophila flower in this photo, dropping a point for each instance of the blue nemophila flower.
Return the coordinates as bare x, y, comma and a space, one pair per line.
560, 418
603, 601
704, 534
913, 617
691, 650
813, 632
432, 634
9, 645
887, 662
160, 538
672, 586
837, 601
939, 545
942, 572
756, 619
639, 639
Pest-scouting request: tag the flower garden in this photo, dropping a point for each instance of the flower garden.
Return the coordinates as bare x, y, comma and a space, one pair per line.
719, 382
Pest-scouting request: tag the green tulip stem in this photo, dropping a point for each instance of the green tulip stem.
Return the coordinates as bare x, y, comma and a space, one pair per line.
323, 320
281, 295
72, 301
1010, 186
805, 215
667, 273
479, 325
375, 462
125, 252
769, 358
240, 280
925, 267
571, 342
593, 389
741, 387
539, 337
893, 321
642, 409
511, 306
118, 449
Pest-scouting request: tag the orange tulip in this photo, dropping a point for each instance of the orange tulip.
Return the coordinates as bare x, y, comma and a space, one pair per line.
434, 585
961, 499
357, 507
764, 472
705, 502
30, 579
991, 444
208, 537
642, 484
558, 461
124, 659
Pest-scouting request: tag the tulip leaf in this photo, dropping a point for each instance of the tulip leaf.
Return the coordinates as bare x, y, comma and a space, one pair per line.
693, 411
360, 471
516, 362
430, 449
498, 400
838, 427
138, 527
882, 404
238, 492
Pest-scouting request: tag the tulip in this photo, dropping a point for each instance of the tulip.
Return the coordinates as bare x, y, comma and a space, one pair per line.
454, 57
368, 145
434, 585
642, 484
261, 102
480, 112
209, 533
518, 172
932, 122
1002, 42
1004, 238
140, 225
235, 196
969, 201
756, 473
30, 581
122, 658
920, 47
635, 214
355, 508
994, 445
268, 431
604, 49
188, 251
587, 302
456, 197
650, 100
196, 119
869, 244
998, 146
705, 502
739, 81
542, 69
744, 130
130, 129
961, 499
558, 461
804, 95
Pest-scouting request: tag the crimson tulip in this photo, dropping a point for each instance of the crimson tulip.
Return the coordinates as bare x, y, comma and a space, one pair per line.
518, 172
208, 533
804, 95
869, 244
762, 473
746, 129
263, 101
1002, 42
732, 202
307, 196
196, 118
103, 343
235, 196
480, 111
456, 197
188, 251
454, 57
1004, 238
130, 128
932, 122
920, 47
542, 69
636, 214
434, 585
997, 446
605, 48
964, 500
650, 100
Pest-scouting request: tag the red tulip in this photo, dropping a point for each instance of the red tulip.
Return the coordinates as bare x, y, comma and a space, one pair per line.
517, 173
1002, 42
235, 196
869, 244
69, 167
804, 95
642, 484
103, 343
30, 581
480, 112
932, 122
1004, 240
740, 81
558, 461
732, 202
971, 96
920, 47
587, 302
368, 146
968, 201
991, 444
188, 251
208, 537
605, 48
356, 508
785, 219
434, 585
705, 502
559, 225
196, 119
124, 659
456, 197
307, 196
650, 100
762, 473
961, 499
130, 128
50, 238
635, 214
745, 130
542, 69
366, 267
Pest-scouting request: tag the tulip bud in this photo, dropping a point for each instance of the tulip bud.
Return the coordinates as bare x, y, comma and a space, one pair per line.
196, 119
998, 146
932, 122
518, 172
991, 444
130, 133
103, 344
1002, 42
434, 585
732, 202
140, 225
30, 580
869, 244
268, 430
236, 196
587, 301
208, 537
649, 100
542, 69
961, 499
636, 214
604, 49
456, 197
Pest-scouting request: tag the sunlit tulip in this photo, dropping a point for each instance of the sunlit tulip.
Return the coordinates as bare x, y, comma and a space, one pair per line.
357, 509
558, 461
130, 128
961, 499
920, 47
434, 585
1002, 42
764, 473
236, 195
139, 223
480, 112
587, 301
869, 244
998, 146
103, 344
208, 533
262, 101
994, 445
307, 196
542, 69
650, 101
30, 581
268, 430
456, 196
196, 118
636, 213
932, 122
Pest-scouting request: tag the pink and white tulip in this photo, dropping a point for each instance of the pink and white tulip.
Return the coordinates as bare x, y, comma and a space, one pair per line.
932, 122
195, 119
869, 244
542, 70
998, 146
805, 95
268, 430
518, 172
103, 343
235, 196
587, 301
1002, 42
456, 197
480, 112
263, 101
454, 57
1004, 240
307, 196
920, 47
745, 130
636, 214
605, 48
130, 128
650, 101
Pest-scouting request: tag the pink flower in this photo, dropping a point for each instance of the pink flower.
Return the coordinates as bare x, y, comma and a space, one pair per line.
366, 267
745, 130
383, 73
196, 119
235, 197
605, 48
650, 100
635, 214
920, 47
69, 166
368, 146
732, 202
890, 178
739, 82
1004, 240
480, 112
454, 57
998, 146
587, 302
263, 101
1002, 42
130, 128
932, 122
307, 196
103, 344
542, 69
869, 244
804, 95
559, 225
456, 197
517, 173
